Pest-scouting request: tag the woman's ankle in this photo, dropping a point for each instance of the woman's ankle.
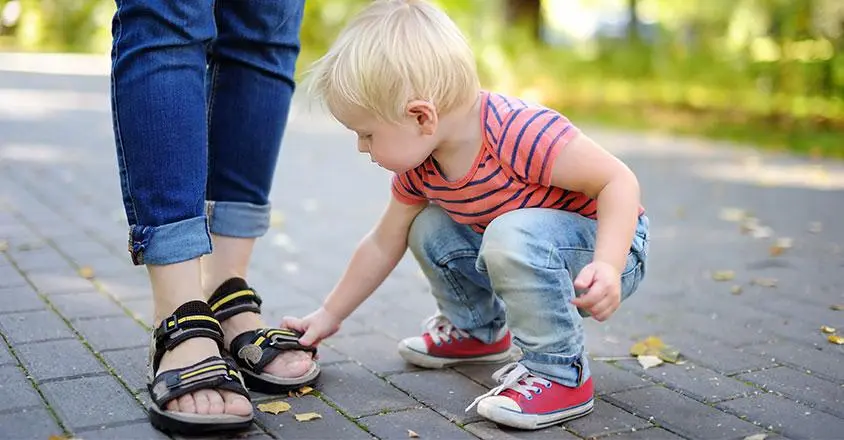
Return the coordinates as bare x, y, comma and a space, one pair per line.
174, 285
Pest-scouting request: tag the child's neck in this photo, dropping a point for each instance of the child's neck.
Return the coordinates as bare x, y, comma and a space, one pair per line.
461, 141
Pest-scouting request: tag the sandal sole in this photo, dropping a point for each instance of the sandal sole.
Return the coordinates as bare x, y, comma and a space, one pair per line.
261, 385
183, 425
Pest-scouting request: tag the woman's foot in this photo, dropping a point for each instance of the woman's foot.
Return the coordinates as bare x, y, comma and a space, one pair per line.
288, 364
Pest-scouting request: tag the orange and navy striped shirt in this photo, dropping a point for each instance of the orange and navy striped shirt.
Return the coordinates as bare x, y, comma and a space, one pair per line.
511, 171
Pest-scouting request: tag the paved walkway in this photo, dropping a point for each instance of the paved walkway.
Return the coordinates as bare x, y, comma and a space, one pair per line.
74, 314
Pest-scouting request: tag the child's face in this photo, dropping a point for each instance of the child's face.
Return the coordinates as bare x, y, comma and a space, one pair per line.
396, 147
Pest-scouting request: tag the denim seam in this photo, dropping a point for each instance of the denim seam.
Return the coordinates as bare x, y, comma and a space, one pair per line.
118, 132
462, 253
456, 289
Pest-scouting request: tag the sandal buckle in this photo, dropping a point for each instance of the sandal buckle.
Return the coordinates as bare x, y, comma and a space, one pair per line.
171, 324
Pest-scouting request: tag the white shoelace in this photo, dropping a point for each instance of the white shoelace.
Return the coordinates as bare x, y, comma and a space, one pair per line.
441, 329
516, 377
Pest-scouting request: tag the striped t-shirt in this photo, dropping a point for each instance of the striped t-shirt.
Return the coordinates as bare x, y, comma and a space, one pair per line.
511, 171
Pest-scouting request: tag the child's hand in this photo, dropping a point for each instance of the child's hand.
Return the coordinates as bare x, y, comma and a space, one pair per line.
604, 284
316, 326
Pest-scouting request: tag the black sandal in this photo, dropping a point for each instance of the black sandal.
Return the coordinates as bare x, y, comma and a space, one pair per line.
193, 319
253, 350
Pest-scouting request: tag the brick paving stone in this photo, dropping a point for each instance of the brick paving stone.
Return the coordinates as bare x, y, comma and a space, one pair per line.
29, 424
54, 282
424, 422
794, 420
801, 387
92, 402
646, 434
142, 310
480, 373
609, 378
20, 299
86, 305
717, 355
15, 389
126, 287
33, 326
130, 365
605, 419
492, 431
5, 356
681, 414
328, 355
41, 259
40, 359
332, 425
358, 392
135, 431
113, 333
822, 360
10, 277
375, 351
447, 392
699, 382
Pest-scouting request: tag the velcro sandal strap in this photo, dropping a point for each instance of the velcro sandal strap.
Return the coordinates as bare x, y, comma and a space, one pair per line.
233, 297
192, 319
255, 349
211, 373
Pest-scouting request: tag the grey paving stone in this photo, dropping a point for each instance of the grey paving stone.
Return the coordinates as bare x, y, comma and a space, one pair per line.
492, 431
92, 402
130, 365
328, 355
15, 389
646, 434
608, 378
801, 387
358, 392
136, 431
86, 305
42, 359
142, 310
695, 381
481, 373
41, 259
717, 355
10, 277
446, 392
5, 356
33, 326
605, 419
375, 351
62, 282
424, 422
823, 360
332, 424
792, 419
681, 414
29, 424
20, 299
113, 333
124, 287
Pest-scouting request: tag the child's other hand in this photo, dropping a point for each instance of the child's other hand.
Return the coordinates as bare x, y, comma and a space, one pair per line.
315, 327
604, 294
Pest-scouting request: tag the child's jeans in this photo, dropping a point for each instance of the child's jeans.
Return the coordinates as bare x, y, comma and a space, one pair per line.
201, 91
528, 258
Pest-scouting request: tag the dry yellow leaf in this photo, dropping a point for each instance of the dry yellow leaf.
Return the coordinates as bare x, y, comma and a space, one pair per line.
735, 290
827, 329
837, 307
412, 434
765, 282
732, 214
4, 245
86, 272
306, 417
276, 218
648, 361
780, 246
56, 437
836, 339
681, 212
305, 390
274, 407
723, 275
653, 346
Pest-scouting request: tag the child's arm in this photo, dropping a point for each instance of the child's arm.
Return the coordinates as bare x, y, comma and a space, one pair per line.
375, 257
583, 166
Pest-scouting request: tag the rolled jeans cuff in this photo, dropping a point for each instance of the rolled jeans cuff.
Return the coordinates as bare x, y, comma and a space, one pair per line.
171, 243
238, 219
570, 371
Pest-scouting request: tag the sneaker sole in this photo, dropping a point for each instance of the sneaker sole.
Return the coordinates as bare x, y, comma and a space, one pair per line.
532, 421
427, 361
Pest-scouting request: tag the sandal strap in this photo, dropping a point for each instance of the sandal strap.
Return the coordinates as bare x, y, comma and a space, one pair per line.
192, 319
232, 297
255, 349
211, 373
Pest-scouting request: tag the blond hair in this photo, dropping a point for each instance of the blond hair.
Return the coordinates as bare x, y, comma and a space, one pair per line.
393, 52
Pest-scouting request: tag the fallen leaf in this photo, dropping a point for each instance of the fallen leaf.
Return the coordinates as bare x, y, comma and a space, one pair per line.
827, 329
274, 407
306, 417
762, 232
761, 436
780, 246
681, 212
4, 245
836, 339
723, 275
86, 272
732, 214
305, 390
653, 346
57, 437
735, 290
815, 227
412, 434
648, 361
276, 218
765, 282
837, 307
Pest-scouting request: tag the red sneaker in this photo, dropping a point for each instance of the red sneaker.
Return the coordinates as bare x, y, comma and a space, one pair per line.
526, 401
443, 345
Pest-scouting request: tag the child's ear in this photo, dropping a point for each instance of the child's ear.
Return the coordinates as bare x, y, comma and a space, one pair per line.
425, 115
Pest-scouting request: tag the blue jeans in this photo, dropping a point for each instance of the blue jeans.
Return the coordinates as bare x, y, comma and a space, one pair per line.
200, 96
519, 272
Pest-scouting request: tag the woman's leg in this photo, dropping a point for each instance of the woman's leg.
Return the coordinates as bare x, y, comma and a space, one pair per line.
158, 106
250, 85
